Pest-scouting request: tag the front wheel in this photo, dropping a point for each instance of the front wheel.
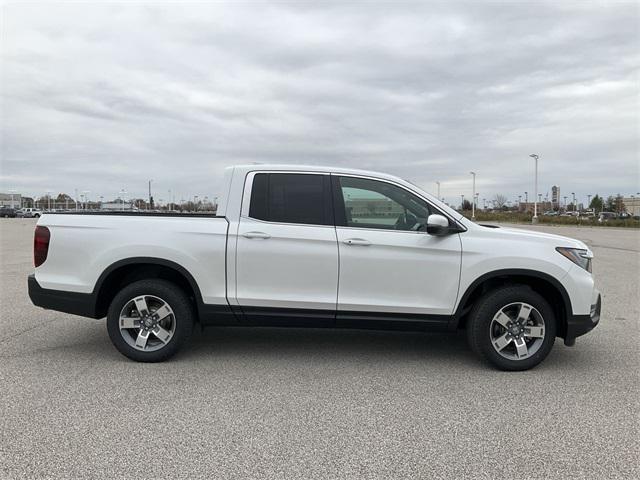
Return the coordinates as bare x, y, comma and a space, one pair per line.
513, 328
150, 320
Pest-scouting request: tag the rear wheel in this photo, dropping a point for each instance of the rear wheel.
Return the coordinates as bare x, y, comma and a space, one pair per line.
150, 320
513, 328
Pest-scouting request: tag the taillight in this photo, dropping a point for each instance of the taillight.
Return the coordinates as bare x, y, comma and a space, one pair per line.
40, 245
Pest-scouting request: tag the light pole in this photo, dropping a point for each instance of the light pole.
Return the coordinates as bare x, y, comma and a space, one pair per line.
438, 184
473, 198
535, 204
573, 202
86, 197
123, 191
526, 197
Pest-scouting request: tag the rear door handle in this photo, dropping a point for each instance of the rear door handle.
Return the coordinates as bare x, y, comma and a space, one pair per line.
357, 241
262, 235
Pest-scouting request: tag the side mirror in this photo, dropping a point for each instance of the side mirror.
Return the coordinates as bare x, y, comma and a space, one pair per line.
437, 225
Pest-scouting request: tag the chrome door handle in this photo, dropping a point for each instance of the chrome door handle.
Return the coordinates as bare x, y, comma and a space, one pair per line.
357, 241
262, 235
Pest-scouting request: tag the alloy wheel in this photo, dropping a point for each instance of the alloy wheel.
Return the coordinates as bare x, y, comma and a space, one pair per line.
147, 323
517, 331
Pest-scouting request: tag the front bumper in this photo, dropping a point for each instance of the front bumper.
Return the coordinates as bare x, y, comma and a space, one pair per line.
578, 325
83, 304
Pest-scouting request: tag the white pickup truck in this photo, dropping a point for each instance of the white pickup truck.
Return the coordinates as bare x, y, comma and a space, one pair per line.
313, 246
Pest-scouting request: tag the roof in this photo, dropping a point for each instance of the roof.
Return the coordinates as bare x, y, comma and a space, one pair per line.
314, 168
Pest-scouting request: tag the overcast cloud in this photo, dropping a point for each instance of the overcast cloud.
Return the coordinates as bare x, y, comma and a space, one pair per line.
104, 97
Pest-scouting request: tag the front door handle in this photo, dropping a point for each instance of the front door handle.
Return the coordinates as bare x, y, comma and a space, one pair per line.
262, 235
357, 241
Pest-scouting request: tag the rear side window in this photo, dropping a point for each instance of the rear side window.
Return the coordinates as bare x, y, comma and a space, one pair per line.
291, 198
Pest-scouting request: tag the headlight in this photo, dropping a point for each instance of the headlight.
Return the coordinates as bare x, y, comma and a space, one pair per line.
579, 256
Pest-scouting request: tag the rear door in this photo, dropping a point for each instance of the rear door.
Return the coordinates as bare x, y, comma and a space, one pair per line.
389, 266
287, 253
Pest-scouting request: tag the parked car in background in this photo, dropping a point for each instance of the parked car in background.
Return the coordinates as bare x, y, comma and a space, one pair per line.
550, 213
606, 216
32, 213
7, 212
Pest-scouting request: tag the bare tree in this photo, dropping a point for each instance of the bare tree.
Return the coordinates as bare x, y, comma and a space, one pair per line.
500, 201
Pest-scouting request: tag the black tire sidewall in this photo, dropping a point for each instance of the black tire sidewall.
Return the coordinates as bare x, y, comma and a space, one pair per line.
177, 300
478, 328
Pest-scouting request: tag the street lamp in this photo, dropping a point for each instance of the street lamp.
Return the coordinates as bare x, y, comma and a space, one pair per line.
149, 204
438, 184
574, 201
535, 204
526, 197
473, 198
122, 192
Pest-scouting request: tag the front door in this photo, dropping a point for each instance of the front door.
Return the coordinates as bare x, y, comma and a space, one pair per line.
287, 253
388, 264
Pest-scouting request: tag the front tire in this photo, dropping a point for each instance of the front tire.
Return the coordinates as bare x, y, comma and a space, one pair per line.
150, 320
513, 328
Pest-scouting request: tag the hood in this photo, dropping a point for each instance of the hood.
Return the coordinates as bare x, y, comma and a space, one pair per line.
550, 238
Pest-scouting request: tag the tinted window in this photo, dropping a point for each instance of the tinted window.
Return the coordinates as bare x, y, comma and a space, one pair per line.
375, 204
291, 198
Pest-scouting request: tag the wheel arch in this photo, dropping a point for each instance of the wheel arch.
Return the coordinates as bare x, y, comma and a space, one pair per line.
128, 270
546, 285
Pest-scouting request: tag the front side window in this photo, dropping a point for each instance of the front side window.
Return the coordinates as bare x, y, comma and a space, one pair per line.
375, 204
291, 198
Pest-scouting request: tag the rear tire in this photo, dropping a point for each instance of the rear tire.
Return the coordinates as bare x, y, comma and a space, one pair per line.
150, 320
513, 328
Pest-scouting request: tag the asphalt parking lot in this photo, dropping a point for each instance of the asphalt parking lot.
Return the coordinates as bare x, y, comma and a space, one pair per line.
275, 403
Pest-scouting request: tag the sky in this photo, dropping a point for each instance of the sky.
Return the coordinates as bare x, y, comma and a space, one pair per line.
103, 97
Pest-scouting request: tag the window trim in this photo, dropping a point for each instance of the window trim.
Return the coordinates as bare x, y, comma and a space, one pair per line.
248, 187
338, 201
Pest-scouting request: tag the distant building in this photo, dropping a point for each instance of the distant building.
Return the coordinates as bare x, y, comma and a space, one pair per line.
360, 207
115, 206
555, 196
11, 200
632, 205
527, 207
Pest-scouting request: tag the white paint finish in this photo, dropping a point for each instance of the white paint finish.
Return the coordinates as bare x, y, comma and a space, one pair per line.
296, 267
406, 272
489, 249
83, 246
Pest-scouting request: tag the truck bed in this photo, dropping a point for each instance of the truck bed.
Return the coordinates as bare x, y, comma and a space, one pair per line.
84, 245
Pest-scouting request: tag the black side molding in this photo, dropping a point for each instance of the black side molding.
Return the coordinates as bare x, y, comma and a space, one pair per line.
83, 304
